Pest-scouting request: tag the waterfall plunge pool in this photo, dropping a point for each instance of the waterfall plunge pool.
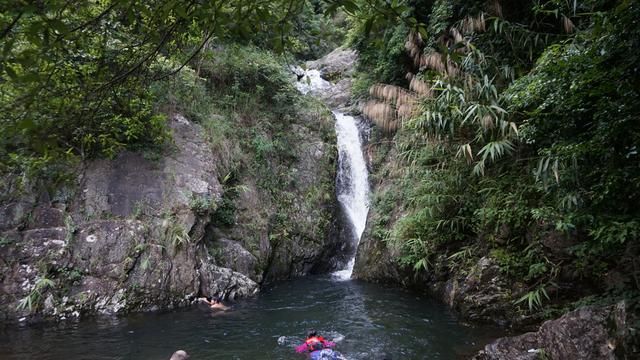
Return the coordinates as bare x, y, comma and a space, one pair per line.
374, 322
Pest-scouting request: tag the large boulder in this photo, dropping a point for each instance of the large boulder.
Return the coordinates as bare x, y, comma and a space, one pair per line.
337, 64
587, 333
337, 68
483, 295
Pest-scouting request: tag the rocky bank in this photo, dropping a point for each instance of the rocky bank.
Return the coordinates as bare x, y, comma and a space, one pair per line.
140, 232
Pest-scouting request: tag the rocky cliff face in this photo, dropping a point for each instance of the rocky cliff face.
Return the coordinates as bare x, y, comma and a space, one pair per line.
283, 212
137, 233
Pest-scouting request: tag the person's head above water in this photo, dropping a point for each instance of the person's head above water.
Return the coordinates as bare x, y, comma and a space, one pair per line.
312, 333
180, 355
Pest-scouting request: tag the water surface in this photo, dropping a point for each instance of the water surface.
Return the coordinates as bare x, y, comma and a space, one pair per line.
370, 322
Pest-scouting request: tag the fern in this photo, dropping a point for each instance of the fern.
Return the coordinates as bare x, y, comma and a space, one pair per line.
534, 298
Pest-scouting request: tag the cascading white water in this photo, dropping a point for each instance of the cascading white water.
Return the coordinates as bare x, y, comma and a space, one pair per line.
310, 81
353, 181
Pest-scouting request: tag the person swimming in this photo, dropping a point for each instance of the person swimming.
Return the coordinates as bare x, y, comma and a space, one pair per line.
318, 348
180, 355
214, 303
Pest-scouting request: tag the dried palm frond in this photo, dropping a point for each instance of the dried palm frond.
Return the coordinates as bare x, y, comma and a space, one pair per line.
487, 122
433, 61
466, 152
568, 25
413, 51
405, 112
392, 94
420, 87
456, 35
495, 8
452, 69
474, 24
381, 114
457, 41
413, 46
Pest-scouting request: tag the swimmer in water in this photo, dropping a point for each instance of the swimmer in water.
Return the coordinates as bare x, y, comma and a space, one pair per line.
319, 348
214, 303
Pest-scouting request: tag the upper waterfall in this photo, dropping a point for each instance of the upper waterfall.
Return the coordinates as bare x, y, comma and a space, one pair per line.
310, 81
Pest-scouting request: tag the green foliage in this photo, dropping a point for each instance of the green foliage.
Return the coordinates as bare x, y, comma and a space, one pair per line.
535, 138
202, 204
33, 300
76, 79
225, 214
4, 241
385, 61
534, 298
247, 80
175, 234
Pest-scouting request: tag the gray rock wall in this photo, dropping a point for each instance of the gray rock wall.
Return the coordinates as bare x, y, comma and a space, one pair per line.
131, 239
139, 232
283, 213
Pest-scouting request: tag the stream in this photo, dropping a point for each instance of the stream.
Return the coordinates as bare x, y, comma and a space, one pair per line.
366, 320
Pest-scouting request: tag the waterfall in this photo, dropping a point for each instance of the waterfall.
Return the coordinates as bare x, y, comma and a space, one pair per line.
310, 81
352, 183
352, 180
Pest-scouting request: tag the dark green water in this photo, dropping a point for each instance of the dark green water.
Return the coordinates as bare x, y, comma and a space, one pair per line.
374, 322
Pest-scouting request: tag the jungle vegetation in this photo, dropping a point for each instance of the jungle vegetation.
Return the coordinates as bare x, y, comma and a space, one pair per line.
513, 132
512, 127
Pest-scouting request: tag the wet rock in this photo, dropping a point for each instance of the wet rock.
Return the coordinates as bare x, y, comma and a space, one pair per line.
102, 247
301, 210
223, 282
337, 64
131, 239
587, 333
45, 216
133, 185
484, 294
180, 355
337, 67
231, 254
131, 232
14, 214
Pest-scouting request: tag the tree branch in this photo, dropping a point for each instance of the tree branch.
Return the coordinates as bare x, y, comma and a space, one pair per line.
7, 30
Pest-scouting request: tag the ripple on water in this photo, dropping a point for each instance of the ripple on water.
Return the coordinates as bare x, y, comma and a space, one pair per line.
364, 319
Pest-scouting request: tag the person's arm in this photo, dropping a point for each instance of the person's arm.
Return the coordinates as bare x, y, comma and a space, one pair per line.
301, 348
328, 343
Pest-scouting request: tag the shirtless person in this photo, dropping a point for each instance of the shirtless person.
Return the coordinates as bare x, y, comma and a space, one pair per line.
214, 303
